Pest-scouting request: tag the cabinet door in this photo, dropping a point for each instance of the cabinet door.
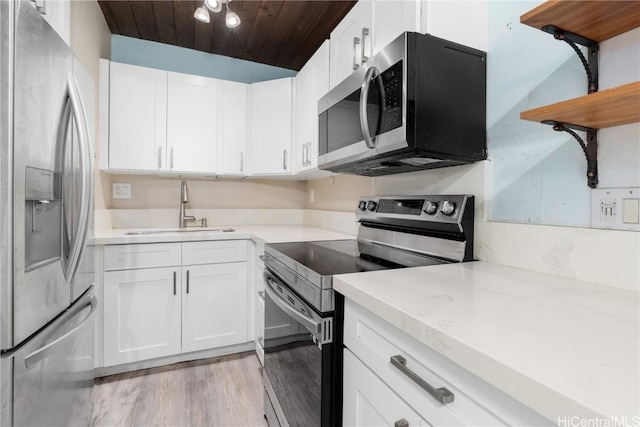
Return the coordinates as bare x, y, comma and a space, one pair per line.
390, 19
346, 51
58, 14
142, 315
137, 118
232, 140
214, 306
367, 401
192, 123
311, 83
270, 116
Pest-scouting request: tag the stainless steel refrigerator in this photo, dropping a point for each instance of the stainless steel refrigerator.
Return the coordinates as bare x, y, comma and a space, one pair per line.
47, 302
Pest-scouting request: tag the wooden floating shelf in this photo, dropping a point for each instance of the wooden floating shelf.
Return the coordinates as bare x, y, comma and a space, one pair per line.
595, 20
611, 107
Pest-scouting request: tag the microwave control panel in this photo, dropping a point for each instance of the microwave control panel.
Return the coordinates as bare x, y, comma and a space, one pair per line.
392, 110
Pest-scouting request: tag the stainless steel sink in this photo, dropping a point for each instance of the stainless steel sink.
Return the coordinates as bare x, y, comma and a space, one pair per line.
181, 230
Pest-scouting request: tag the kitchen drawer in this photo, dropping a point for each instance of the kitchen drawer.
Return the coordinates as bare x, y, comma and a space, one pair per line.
126, 257
214, 252
476, 402
370, 402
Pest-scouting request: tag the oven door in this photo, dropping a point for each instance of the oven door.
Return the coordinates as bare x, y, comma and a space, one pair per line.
298, 359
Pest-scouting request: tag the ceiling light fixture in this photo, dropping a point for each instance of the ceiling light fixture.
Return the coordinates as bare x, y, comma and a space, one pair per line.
213, 5
232, 19
202, 13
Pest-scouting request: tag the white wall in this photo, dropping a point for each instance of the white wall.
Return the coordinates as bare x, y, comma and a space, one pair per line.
538, 176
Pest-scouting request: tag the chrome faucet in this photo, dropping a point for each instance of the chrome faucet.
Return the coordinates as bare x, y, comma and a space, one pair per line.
184, 199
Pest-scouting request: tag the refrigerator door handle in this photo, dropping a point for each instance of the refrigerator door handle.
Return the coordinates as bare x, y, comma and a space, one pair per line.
44, 352
79, 240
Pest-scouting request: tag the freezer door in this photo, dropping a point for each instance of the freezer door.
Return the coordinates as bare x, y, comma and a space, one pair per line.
53, 373
52, 177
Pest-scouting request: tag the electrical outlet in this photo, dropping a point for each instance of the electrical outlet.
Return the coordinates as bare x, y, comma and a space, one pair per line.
121, 190
615, 208
312, 195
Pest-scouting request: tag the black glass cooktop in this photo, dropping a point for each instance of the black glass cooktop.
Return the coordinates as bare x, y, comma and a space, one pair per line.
345, 256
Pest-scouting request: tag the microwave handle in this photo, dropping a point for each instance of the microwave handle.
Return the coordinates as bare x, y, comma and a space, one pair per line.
364, 119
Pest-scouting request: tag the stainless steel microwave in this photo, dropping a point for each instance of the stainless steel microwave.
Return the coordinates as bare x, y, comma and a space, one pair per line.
420, 103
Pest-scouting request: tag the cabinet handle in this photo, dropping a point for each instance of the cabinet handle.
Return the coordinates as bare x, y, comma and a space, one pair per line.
187, 281
159, 157
284, 159
309, 153
441, 394
261, 341
356, 42
241, 161
365, 33
174, 283
171, 158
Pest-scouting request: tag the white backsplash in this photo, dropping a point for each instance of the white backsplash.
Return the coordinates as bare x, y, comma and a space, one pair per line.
606, 257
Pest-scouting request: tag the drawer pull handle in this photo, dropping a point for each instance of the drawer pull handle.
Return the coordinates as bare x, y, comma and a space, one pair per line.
401, 423
441, 394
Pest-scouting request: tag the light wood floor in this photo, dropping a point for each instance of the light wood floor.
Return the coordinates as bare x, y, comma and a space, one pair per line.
222, 391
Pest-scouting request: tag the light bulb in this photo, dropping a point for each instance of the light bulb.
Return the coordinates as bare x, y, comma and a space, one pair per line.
202, 14
232, 19
213, 5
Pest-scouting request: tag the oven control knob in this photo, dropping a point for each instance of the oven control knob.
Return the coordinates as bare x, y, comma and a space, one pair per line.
431, 208
448, 208
372, 205
362, 205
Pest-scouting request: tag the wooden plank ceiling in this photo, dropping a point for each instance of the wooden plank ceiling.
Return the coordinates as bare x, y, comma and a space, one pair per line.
280, 33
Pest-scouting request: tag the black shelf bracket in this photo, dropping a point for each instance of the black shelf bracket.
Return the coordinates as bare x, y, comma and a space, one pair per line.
590, 148
590, 64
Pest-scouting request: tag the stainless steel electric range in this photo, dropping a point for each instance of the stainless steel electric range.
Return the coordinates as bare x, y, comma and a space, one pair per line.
303, 340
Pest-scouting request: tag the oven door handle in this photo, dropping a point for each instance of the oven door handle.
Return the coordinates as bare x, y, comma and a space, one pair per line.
313, 326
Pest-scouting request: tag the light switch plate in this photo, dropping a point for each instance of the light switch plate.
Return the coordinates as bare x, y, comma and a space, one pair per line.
121, 190
615, 208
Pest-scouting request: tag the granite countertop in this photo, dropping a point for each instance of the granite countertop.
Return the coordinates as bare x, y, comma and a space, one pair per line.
266, 233
561, 347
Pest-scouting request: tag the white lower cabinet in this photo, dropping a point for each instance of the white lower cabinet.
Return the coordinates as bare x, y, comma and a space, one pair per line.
379, 392
214, 306
370, 402
154, 309
142, 314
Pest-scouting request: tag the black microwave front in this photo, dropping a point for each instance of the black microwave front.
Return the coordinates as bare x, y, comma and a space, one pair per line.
419, 103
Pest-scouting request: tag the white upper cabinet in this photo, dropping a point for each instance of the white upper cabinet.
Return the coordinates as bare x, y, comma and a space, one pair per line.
367, 28
311, 83
346, 41
58, 14
390, 19
270, 121
464, 22
232, 139
192, 123
137, 118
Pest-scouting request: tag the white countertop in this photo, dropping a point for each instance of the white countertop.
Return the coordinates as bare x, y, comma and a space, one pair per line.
267, 233
560, 346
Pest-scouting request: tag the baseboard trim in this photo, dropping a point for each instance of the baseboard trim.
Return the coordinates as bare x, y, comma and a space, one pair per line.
168, 360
